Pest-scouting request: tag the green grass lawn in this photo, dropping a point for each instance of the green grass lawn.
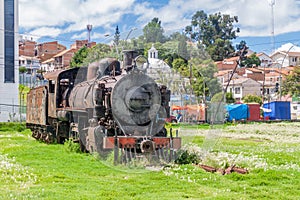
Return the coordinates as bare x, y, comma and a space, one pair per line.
271, 152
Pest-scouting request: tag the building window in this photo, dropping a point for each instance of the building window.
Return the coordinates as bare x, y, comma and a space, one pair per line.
237, 90
294, 59
9, 41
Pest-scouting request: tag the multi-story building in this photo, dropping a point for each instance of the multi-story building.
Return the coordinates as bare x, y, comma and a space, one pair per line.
9, 69
30, 76
286, 58
242, 86
47, 50
27, 47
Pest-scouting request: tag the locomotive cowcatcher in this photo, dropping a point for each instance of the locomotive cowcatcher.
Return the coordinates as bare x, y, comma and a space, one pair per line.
104, 106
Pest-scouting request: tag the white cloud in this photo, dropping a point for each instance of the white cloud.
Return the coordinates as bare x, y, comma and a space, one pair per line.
73, 15
82, 35
255, 18
44, 31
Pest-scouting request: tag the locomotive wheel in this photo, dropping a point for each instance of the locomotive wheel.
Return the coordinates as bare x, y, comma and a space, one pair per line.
60, 139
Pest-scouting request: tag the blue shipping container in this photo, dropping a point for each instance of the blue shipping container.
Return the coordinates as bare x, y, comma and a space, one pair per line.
278, 110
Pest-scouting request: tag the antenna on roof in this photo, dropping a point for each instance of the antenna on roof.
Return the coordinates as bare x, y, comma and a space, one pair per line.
89, 28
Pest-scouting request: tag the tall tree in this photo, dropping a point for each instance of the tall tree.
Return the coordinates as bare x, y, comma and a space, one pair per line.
98, 52
182, 48
242, 49
117, 36
204, 82
251, 61
291, 85
153, 31
214, 32
78, 58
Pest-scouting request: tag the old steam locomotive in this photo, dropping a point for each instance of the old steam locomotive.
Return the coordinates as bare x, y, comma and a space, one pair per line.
104, 106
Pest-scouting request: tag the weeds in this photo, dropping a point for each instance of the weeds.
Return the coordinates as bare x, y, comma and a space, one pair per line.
71, 146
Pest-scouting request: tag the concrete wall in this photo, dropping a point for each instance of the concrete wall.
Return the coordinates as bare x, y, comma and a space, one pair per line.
9, 101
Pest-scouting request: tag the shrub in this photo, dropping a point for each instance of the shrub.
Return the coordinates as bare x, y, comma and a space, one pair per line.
12, 126
185, 157
71, 146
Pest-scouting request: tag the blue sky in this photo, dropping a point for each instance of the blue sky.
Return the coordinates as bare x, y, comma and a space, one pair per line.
66, 20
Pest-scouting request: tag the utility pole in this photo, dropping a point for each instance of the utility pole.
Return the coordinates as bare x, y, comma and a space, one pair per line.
272, 3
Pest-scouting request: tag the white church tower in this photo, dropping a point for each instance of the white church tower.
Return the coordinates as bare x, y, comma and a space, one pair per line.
152, 53
9, 65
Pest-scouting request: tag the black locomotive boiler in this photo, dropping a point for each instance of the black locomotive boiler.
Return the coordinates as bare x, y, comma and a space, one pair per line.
104, 106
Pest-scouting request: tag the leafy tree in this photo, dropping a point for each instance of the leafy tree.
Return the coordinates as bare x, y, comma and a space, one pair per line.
252, 99
182, 47
203, 77
242, 49
219, 97
250, 61
214, 32
153, 31
181, 66
291, 85
229, 98
117, 36
176, 36
100, 51
22, 70
78, 57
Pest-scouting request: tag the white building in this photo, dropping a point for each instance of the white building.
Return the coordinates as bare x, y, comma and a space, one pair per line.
266, 61
158, 69
9, 69
286, 59
286, 55
162, 73
241, 87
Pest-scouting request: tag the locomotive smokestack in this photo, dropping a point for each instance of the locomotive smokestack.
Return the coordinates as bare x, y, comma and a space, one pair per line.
129, 56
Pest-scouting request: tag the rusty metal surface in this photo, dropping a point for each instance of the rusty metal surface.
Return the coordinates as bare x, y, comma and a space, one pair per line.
52, 75
36, 106
52, 105
129, 142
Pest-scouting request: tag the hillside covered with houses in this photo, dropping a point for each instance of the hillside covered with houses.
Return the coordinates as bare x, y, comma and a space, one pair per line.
264, 80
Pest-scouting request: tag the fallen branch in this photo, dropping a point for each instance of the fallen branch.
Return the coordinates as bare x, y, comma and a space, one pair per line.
208, 168
228, 170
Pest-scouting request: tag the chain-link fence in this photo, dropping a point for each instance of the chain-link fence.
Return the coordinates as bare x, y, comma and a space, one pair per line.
12, 113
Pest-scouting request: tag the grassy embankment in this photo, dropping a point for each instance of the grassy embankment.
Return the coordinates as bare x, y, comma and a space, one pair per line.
271, 152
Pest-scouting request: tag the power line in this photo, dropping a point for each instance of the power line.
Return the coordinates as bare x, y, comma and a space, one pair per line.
65, 40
